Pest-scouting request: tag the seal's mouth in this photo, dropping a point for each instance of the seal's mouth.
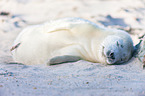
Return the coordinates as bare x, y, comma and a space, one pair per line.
110, 61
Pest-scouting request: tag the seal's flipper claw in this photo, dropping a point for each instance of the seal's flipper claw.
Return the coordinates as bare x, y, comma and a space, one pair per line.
63, 59
15, 47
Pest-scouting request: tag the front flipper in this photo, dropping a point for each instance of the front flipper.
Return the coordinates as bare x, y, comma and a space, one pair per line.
63, 59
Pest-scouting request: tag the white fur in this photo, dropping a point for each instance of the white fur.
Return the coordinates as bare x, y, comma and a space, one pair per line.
73, 37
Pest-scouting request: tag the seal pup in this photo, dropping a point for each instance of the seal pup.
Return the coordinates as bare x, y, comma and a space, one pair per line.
69, 40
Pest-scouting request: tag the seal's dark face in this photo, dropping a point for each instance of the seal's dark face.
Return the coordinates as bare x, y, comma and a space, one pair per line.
114, 51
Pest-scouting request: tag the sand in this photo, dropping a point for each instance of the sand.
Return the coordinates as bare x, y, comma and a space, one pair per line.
81, 78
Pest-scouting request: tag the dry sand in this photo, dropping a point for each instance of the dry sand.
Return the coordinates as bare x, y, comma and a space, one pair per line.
81, 78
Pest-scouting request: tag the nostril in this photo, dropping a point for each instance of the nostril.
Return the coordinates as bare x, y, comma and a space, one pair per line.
112, 55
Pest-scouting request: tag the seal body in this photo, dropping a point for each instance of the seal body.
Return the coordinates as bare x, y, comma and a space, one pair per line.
74, 37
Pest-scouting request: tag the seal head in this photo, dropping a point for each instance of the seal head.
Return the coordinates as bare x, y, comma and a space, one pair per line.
114, 50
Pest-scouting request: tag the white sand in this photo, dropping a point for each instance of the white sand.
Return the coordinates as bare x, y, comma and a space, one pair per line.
74, 79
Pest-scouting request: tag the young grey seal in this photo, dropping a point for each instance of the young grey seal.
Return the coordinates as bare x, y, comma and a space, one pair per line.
69, 40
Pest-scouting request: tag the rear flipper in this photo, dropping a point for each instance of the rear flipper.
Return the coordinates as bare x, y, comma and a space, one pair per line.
63, 59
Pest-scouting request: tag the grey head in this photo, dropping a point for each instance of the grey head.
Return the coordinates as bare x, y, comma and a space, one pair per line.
115, 51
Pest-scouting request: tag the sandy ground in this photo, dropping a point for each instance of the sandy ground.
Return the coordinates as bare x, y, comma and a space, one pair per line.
81, 78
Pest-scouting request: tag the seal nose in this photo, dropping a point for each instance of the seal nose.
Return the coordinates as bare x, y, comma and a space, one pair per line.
111, 55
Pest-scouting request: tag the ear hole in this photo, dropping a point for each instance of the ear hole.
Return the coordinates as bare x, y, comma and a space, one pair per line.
122, 46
